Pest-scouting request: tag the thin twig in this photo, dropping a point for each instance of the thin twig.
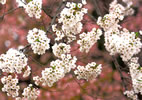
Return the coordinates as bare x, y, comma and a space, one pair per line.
92, 17
56, 14
10, 11
23, 49
84, 90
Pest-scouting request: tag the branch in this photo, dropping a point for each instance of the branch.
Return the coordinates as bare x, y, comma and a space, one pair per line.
121, 75
23, 49
56, 14
96, 5
47, 13
8, 12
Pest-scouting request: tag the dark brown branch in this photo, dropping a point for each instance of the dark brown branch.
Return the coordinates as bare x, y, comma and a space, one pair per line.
23, 49
96, 5
120, 72
47, 13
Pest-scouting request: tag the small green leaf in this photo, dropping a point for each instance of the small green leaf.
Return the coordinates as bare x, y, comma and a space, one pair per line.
53, 67
37, 40
94, 67
139, 80
137, 34
139, 68
104, 18
29, 1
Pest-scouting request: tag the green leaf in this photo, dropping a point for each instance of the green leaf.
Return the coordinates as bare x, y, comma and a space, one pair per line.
137, 34
139, 80
29, 1
37, 40
94, 67
53, 67
139, 68
104, 18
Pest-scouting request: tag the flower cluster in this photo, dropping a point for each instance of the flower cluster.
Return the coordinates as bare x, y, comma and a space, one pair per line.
131, 94
116, 13
13, 61
120, 11
56, 71
52, 74
38, 40
107, 22
89, 39
68, 62
117, 39
10, 86
136, 74
3, 1
33, 8
70, 18
30, 93
59, 49
88, 72
123, 42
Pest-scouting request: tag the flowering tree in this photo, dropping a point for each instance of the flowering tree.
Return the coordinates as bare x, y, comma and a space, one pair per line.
57, 37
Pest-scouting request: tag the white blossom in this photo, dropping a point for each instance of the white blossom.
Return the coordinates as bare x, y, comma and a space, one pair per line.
116, 13
84, 2
68, 62
30, 93
50, 75
61, 48
123, 42
136, 75
33, 8
117, 10
108, 21
88, 72
38, 40
119, 40
70, 17
56, 71
13, 61
10, 86
89, 39
131, 94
